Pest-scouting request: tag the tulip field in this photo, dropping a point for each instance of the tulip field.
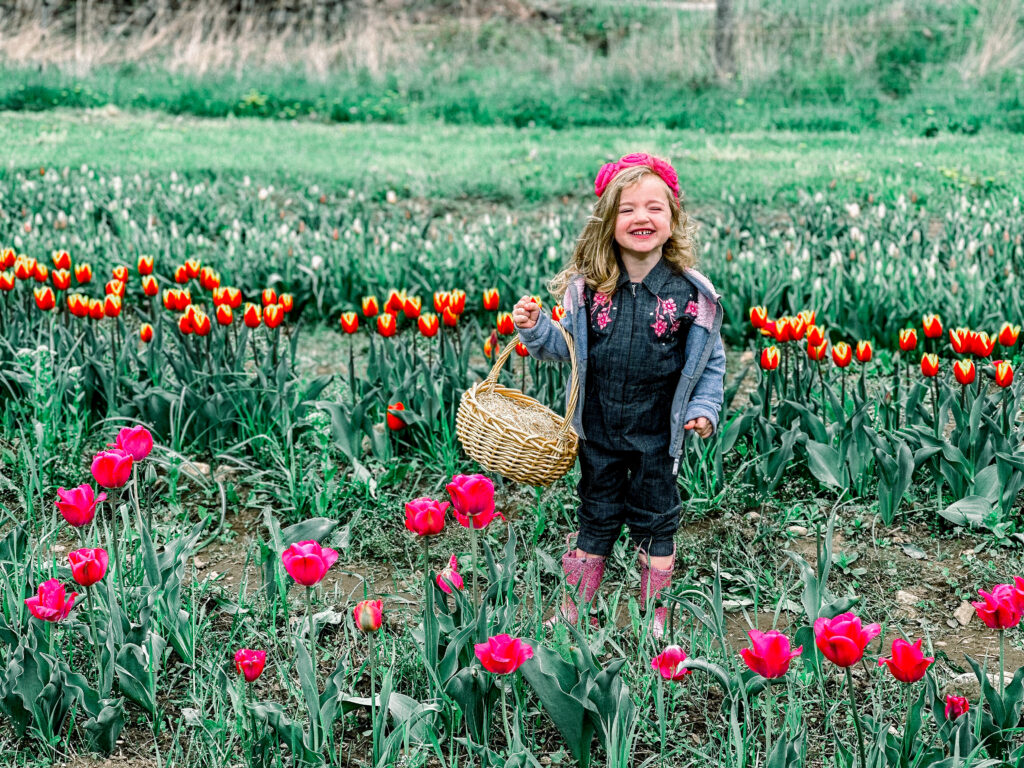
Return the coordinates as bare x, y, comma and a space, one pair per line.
238, 527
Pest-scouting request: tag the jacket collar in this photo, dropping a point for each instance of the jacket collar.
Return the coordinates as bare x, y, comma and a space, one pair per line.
654, 280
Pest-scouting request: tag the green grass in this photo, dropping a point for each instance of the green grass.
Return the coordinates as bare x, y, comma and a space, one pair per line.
504, 164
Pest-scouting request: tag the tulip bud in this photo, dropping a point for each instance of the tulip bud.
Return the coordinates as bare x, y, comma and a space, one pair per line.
6, 281
557, 313
51, 603
44, 298
269, 296
815, 335
864, 351
61, 260
428, 324
491, 299
929, 365
457, 301
807, 315
932, 325
489, 345
964, 371
386, 324
1003, 373
96, 309
250, 663
817, 353
225, 316
349, 322
61, 279
41, 273
842, 354
251, 316
88, 566
370, 306
145, 265
395, 423
115, 288
307, 562
83, 273
669, 663
287, 302
758, 317
521, 349
908, 339
907, 663
112, 468
506, 326
770, 358
450, 318
193, 267
146, 333
956, 706
441, 301
180, 274
1008, 334
150, 287
961, 340
369, 615
111, 306
209, 279
120, 273
982, 344
200, 321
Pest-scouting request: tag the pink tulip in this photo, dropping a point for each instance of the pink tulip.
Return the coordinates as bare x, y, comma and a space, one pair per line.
88, 565
51, 604
473, 500
1001, 608
450, 576
770, 653
307, 562
78, 505
907, 663
503, 654
113, 468
250, 663
425, 517
956, 706
842, 640
369, 615
136, 441
670, 663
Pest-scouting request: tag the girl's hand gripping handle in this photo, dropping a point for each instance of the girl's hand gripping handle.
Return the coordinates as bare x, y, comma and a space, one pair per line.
525, 313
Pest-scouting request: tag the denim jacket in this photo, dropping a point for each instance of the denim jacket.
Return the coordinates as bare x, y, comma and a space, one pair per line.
701, 387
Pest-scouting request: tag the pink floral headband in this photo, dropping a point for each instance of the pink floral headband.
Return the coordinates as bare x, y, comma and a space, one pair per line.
656, 164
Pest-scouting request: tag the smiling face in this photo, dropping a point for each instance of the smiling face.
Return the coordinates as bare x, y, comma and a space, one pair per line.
644, 221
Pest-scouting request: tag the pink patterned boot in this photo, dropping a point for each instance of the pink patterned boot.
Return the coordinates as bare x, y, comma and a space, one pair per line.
582, 578
652, 582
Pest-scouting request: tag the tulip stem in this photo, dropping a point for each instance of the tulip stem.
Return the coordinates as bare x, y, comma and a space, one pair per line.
96, 639
472, 545
373, 695
856, 719
770, 701
1002, 633
505, 719
313, 725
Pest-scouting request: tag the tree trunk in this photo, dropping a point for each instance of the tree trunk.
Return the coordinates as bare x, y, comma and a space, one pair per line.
724, 64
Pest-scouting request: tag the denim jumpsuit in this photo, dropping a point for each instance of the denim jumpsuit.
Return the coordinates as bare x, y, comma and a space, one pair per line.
637, 342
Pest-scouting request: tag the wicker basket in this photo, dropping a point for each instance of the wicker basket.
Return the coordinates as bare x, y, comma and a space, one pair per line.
514, 435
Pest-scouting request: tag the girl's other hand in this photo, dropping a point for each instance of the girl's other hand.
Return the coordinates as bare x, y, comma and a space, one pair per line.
525, 313
701, 425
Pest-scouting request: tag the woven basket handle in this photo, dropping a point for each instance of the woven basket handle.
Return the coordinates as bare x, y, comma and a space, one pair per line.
570, 406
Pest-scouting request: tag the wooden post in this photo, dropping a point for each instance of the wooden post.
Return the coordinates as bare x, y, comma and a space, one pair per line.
724, 63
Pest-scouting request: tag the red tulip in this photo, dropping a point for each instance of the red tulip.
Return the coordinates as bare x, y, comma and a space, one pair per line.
770, 358
83, 273
252, 317
145, 265
450, 577
964, 371
457, 301
41, 273
558, 313
394, 422
287, 302
185, 323
521, 349
369, 615
451, 319
428, 324
113, 468
503, 654
51, 604
908, 339
842, 640
817, 353
1008, 334
807, 315
120, 273
209, 278
506, 327
960, 340
386, 325
932, 325
815, 335
864, 351
250, 663
6, 281
136, 441
797, 328
758, 317
782, 329
424, 516
956, 706
670, 663
146, 332
441, 301
395, 301
180, 274
200, 320
88, 565
489, 345
770, 654
150, 286
273, 315
96, 309
983, 344
1003, 373
44, 298
78, 305
78, 505
1001, 608
907, 663
842, 354
193, 267
472, 500
412, 307
61, 260
8, 257
111, 305
491, 299
929, 365
307, 562
61, 279
370, 307
225, 315
269, 296
349, 322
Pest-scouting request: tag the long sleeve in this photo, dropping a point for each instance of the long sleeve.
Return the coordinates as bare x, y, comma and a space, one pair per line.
544, 341
709, 391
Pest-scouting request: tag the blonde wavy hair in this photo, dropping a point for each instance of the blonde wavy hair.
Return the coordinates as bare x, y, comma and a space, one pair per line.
596, 249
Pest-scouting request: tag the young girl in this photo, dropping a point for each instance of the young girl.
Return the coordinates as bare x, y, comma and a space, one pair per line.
645, 325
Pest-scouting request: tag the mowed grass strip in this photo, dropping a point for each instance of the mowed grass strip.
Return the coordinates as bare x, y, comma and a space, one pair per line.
504, 164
